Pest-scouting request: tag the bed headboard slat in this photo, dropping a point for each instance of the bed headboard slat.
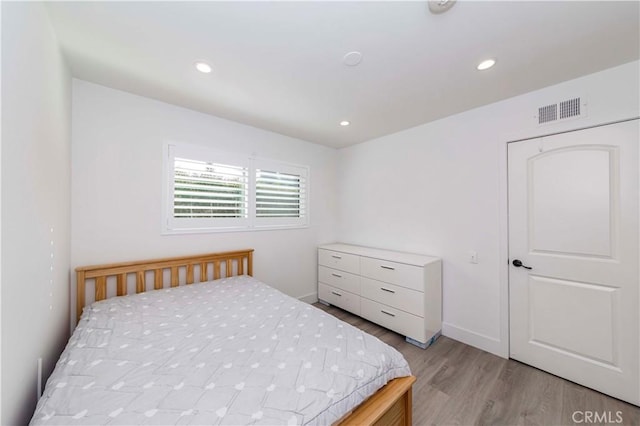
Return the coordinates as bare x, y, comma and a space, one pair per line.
216, 270
141, 285
174, 276
122, 284
101, 288
157, 279
121, 271
229, 269
203, 272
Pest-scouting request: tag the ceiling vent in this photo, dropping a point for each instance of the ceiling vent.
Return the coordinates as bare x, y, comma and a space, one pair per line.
561, 111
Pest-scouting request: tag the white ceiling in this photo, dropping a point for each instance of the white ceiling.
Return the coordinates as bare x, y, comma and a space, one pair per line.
278, 65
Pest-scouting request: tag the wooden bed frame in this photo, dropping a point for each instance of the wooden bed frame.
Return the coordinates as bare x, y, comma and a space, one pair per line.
391, 405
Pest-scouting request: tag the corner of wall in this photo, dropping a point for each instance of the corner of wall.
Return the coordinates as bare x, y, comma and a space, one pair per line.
36, 136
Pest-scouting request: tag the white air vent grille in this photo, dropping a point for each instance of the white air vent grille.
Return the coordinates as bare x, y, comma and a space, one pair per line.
547, 113
570, 108
564, 110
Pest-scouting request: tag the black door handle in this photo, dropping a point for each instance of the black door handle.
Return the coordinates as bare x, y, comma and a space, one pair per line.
518, 263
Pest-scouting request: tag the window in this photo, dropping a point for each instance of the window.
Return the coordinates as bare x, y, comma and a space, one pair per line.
211, 191
280, 194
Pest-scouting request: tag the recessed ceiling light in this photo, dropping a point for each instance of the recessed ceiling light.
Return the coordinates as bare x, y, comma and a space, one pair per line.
345, 123
203, 67
486, 64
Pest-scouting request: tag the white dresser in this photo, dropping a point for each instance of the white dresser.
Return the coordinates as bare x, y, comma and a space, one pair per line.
399, 291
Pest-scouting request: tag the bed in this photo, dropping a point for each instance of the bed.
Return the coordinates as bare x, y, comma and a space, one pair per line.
227, 350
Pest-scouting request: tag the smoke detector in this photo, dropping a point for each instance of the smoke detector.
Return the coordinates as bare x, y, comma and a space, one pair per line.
352, 58
440, 6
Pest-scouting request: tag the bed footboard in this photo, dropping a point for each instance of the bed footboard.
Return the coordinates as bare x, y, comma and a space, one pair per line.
390, 406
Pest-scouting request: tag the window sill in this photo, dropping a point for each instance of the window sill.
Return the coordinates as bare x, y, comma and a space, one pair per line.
186, 231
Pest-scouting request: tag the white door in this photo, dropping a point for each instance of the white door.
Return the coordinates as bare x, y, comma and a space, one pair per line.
573, 220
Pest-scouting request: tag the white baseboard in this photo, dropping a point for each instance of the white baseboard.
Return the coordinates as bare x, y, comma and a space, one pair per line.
309, 298
477, 340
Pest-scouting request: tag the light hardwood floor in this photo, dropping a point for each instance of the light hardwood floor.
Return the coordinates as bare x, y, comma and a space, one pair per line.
461, 385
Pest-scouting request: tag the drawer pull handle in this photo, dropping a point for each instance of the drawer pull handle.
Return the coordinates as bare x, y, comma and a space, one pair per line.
388, 313
336, 293
335, 256
388, 267
387, 290
337, 275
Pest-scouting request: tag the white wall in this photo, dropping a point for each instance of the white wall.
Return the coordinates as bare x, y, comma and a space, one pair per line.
440, 189
0, 222
36, 139
117, 142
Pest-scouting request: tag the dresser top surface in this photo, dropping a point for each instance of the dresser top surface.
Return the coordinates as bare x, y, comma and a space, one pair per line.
393, 256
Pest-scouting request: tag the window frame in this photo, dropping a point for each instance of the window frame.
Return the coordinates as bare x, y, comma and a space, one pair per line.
176, 226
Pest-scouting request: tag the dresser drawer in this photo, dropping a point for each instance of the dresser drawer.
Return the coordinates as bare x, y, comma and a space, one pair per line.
340, 279
393, 319
340, 298
408, 276
337, 260
392, 295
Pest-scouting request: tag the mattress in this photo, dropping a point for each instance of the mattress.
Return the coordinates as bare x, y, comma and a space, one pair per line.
231, 351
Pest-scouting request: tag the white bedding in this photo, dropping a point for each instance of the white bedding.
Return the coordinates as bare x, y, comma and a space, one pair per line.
232, 351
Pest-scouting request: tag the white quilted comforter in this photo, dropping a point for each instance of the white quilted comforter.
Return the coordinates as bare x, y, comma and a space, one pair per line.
232, 351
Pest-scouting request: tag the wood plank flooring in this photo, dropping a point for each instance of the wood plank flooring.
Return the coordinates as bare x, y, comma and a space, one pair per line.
461, 385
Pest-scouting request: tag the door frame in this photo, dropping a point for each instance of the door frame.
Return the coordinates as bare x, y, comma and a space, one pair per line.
503, 199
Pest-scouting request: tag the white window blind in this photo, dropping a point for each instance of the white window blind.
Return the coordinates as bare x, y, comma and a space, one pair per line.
210, 191
279, 194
